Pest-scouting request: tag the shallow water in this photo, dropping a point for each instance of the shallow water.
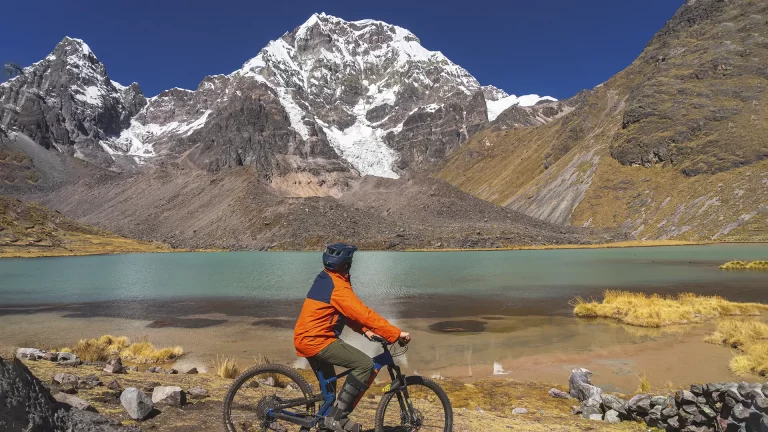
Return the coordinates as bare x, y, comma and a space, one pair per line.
467, 310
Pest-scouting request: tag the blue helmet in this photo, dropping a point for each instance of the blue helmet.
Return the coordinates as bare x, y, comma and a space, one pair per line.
337, 255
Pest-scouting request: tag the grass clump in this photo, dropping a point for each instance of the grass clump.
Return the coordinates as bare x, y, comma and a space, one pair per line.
749, 339
145, 352
108, 346
645, 385
226, 367
743, 265
642, 310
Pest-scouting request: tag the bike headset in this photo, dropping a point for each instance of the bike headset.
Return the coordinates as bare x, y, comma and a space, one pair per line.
338, 256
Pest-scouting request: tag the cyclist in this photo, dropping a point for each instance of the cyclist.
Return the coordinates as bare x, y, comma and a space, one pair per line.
330, 305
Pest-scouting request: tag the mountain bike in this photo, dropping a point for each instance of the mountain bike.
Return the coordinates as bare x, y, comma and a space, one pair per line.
274, 397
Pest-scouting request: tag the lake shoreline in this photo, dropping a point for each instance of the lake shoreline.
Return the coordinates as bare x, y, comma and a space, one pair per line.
30, 252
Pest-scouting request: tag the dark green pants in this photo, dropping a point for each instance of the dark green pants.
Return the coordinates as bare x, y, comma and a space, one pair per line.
342, 354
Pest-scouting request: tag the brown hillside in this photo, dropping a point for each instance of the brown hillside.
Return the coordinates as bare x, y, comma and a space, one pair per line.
672, 147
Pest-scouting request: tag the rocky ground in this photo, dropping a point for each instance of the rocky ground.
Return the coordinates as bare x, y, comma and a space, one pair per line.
186, 207
30, 230
497, 405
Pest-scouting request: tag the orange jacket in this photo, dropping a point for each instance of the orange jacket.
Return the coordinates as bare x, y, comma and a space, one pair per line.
330, 305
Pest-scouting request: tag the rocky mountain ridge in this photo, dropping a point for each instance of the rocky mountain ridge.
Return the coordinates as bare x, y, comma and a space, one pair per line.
670, 148
331, 100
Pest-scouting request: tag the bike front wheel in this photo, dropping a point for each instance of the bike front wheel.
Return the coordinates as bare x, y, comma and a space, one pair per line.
431, 408
260, 390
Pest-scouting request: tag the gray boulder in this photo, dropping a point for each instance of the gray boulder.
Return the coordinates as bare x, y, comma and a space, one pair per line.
614, 403
761, 405
198, 393
684, 397
555, 393
612, 417
596, 417
169, 395
137, 404
64, 378
518, 411
639, 404
114, 366
74, 402
739, 413
578, 376
30, 353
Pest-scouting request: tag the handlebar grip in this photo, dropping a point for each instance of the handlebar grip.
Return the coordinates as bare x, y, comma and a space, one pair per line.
377, 338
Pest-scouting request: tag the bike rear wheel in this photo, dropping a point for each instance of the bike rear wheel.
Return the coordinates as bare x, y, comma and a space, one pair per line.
431, 406
263, 387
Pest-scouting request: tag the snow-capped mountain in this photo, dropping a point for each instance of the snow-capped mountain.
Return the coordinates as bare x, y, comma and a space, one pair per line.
68, 102
332, 96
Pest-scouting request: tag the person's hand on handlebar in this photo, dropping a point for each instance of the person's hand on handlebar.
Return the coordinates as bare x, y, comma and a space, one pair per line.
404, 338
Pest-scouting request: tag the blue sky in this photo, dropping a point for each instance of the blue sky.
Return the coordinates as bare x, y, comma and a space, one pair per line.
549, 47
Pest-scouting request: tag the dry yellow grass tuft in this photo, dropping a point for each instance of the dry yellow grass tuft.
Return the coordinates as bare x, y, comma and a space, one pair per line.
749, 339
743, 265
644, 310
107, 346
645, 385
226, 367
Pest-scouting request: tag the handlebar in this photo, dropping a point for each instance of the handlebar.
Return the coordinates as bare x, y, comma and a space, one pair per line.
384, 342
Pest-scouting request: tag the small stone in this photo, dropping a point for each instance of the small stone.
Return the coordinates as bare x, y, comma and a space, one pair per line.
519, 411
555, 393
137, 404
669, 412
67, 357
754, 394
658, 400
51, 356
480, 410
764, 389
701, 400
576, 409
730, 402
69, 388
717, 396
64, 378
29, 353
611, 402
764, 423
74, 401
707, 412
192, 371
639, 403
268, 381
169, 395
684, 397
739, 413
714, 387
655, 413
734, 394
689, 409
697, 389
612, 417
761, 405
588, 411
113, 385
673, 423
198, 393
114, 365
743, 388
172, 371
734, 426
596, 417
132, 368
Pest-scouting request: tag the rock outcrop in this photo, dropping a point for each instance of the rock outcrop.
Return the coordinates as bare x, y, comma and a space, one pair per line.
27, 405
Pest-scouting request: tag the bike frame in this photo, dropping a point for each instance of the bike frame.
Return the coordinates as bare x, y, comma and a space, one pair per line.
328, 397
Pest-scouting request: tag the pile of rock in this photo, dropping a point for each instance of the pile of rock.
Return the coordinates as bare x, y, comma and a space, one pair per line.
62, 358
738, 407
